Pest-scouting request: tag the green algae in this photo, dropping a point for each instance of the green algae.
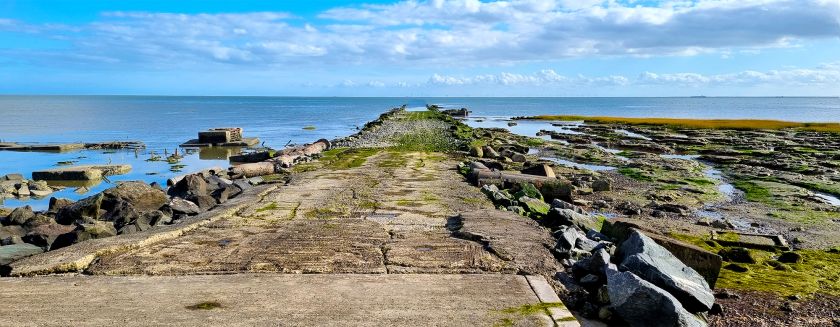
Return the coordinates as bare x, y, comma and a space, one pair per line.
208, 305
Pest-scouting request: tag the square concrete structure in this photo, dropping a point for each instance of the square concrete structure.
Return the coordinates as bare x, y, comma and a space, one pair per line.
214, 136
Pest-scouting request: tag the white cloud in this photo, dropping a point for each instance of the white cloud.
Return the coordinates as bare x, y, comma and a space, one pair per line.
825, 74
447, 32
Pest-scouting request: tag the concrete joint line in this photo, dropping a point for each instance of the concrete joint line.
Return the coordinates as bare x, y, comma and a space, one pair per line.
545, 293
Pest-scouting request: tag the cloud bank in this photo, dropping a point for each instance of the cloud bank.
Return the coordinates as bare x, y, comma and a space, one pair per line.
438, 32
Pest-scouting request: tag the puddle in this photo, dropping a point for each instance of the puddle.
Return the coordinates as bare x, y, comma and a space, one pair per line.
522, 127
573, 164
727, 189
633, 135
680, 156
828, 198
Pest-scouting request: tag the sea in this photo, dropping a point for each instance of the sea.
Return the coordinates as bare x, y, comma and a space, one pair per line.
162, 123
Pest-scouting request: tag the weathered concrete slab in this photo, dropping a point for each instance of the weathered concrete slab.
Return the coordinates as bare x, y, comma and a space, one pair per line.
42, 147
80, 173
514, 238
438, 252
298, 246
270, 300
79, 256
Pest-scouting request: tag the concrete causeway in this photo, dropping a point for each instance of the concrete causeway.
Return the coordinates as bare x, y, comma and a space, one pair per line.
363, 238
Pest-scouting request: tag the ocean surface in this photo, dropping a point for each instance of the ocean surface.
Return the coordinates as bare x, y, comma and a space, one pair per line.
162, 123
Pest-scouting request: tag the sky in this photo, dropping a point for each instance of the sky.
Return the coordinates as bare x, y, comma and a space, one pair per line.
421, 48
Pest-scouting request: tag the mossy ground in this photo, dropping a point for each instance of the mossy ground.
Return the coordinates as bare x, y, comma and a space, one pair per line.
737, 124
819, 273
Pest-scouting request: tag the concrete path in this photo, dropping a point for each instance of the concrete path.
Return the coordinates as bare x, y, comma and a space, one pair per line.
277, 300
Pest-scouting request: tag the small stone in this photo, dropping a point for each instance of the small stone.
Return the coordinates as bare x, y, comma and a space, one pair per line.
790, 257
736, 268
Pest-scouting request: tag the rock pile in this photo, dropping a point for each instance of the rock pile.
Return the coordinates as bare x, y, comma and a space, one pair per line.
129, 207
15, 186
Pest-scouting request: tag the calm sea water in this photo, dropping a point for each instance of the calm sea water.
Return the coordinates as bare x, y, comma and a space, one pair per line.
163, 123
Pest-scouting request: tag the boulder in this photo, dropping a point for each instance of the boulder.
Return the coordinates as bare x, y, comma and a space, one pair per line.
46, 234
601, 185
741, 255
641, 303
640, 255
154, 218
558, 203
181, 206
84, 232
529, 190
141, 196
122, 213
476, 151
58, 203
20, 215
790, 257
536, 208
567, 237
189, 185
204, 202
568, 217
224, 193
23, 190
12, 177
594, 264
517, 157
84, 208
14, 252
38, 220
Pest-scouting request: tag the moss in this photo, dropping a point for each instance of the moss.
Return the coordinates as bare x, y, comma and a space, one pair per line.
270, 206
753, 191
309, 128
700, 181
534, 141
636, 174
819, 271
208, 305
529, 309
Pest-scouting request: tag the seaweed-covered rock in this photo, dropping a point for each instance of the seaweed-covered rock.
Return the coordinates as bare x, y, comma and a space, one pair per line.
641, 255
741, 255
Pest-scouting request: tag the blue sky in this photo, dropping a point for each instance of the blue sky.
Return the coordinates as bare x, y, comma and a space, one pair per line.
421, 48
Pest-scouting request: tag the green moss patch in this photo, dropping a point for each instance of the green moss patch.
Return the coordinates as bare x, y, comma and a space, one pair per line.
209, 305
269, 207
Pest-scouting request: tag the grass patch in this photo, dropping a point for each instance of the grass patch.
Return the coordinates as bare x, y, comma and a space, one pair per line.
270, 206
209, 305
424, 141
754, 192
739, 124
346, 158
534, 141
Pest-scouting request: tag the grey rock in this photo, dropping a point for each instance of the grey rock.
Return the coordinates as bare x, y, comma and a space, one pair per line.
20, 215
84, 208
84, 232
179, 205
58, 203
641, 255
204, 202
46, 234
141, 196
190, 185
14, 252
595, 264
568, 217
23, 190
641, 303
12, 177
601, 185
